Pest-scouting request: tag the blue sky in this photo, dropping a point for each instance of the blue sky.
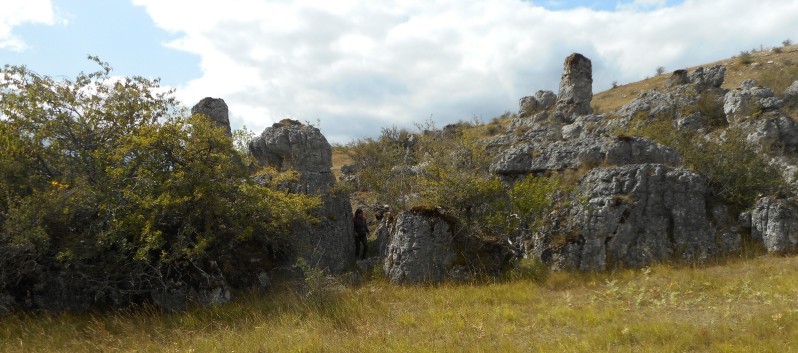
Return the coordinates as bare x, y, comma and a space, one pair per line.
355, 66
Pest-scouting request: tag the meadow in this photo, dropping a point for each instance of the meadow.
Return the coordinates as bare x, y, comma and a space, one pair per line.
738, 306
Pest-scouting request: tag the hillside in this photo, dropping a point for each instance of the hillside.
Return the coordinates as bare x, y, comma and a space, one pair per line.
777, 75
656, 216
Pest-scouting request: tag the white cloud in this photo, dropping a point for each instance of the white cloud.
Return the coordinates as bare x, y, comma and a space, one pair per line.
17, 12
357, 66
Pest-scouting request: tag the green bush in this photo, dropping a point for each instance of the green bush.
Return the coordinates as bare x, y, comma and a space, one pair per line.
110, 182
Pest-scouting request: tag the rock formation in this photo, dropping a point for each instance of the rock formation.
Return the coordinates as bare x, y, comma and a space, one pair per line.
534, 158
576, 87
774, 222
216, 110
425, 246
290, 145
749, 100
633, 216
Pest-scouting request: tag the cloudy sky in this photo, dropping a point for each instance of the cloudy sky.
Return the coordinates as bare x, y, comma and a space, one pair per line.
353, 67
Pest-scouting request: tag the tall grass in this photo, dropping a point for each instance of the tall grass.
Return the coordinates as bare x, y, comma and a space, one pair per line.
738, 307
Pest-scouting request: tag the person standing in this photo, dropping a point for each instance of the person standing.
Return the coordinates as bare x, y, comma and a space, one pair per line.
361, 233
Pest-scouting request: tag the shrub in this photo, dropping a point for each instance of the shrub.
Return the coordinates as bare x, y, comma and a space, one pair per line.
745, 58
660, 70
786, 42
111, 184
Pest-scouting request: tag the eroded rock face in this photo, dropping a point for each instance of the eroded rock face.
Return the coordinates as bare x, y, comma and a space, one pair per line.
534, 158
774, 222
420, 248
542, 100
423, 246
710, 77
216, 110
292, 145
748, 100
576, 87
633, 216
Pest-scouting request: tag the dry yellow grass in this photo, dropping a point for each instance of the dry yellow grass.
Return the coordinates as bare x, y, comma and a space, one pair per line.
773, 70
745, 306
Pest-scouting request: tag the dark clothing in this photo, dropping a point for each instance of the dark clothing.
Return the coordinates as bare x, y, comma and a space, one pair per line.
361, 239
361, 227
361, 233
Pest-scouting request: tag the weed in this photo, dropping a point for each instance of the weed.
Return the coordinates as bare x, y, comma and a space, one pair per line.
745, 58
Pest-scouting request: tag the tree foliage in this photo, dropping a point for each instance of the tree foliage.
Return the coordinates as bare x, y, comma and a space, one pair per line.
109, 180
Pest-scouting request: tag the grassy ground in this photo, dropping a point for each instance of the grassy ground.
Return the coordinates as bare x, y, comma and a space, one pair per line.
770, 69
744, 306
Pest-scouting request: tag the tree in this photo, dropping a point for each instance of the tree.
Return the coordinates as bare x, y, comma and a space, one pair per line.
108, 182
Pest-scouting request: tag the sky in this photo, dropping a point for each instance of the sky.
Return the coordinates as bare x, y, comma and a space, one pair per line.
354, 67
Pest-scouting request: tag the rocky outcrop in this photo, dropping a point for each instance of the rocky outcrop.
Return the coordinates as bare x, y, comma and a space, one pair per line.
633, 216
711, 77
420, 248
590, 152
576, 87
772, 130
774, 222
749, 100
216, 110
542, 100
290, 145
585, 126
425, 246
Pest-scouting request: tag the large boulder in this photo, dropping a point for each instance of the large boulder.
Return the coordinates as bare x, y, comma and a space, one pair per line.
420, 248
749, 100
633, 216
774, 222
533, 158
576, 87
216, 110
424, 246
290, 145
542, 100
711, 77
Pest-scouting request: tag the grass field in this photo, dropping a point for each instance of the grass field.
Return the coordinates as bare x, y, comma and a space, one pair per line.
741, 306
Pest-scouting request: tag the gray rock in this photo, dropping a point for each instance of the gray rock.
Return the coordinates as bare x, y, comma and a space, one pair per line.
576, 87
633, 216
774, 222
771, 130
792, 91
749, 100
216, 110
420, 248
585, 126
542, 100
289, 145
532, 158
710, 77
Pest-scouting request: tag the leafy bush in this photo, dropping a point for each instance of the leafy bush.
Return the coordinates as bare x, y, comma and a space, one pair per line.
109, 182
